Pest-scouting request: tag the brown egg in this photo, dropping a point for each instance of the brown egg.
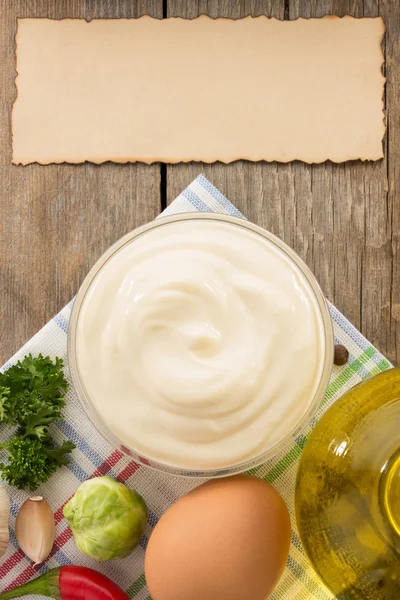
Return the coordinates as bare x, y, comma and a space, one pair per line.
226, 540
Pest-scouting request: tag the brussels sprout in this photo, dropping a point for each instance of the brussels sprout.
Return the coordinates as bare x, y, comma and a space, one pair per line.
106, 518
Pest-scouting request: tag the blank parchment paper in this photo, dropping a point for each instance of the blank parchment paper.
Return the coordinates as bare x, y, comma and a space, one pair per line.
179, 90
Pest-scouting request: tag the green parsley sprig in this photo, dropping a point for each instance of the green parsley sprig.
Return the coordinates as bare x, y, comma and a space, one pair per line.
31, 398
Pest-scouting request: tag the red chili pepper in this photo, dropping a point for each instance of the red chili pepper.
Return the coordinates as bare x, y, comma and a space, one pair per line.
70, 583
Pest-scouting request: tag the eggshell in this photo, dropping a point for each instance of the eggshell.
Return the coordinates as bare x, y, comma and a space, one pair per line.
226, 540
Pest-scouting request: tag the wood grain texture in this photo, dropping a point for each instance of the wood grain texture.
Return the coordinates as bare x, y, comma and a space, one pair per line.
390, 12
55, 221
344, 220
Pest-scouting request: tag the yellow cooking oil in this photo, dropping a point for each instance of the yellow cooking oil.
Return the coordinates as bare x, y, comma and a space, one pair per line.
391, 494
348, 492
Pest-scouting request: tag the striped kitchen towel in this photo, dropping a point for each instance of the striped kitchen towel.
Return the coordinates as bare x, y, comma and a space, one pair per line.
93, 456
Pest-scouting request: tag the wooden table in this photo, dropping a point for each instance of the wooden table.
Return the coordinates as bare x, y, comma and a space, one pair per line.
344, 220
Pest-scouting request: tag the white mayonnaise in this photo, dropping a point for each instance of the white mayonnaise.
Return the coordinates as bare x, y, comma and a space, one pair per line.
200, 344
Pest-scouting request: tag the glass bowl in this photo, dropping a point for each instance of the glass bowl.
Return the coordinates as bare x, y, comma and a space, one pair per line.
96, 418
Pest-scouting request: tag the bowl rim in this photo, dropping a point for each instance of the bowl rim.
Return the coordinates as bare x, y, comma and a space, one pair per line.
95, 417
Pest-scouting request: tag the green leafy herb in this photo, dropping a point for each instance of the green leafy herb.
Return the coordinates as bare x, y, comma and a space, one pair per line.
31, 398
33, 384
37, 425
4, 403
32, 461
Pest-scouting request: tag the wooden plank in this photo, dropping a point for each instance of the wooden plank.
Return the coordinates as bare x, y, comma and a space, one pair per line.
257, 189
340, 218
390, 311
363, 251
55, 221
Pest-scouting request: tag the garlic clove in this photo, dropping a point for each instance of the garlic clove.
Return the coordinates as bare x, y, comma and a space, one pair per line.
4, 516
35, 529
